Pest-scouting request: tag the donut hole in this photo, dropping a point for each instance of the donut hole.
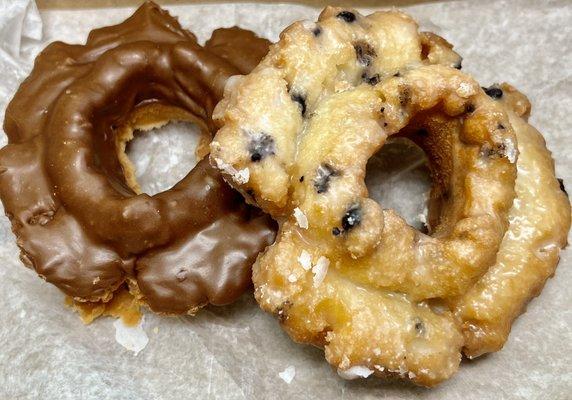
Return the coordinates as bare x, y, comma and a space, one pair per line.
157, 145
162, 156
398, 177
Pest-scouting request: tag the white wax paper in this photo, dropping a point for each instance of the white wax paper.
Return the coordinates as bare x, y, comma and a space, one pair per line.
238, 352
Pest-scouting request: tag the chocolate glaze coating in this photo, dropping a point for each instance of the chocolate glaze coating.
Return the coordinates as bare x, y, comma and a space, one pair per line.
77, 221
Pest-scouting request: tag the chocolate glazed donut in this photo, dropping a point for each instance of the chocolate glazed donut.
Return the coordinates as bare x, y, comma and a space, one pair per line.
69, 189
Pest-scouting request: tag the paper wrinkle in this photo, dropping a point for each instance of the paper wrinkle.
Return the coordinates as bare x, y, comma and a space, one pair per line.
19, 20
236, 351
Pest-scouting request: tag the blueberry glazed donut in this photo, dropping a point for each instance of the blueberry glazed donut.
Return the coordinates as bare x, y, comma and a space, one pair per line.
344, 273
69, 189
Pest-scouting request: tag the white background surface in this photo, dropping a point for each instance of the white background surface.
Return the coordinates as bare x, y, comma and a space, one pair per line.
236, 352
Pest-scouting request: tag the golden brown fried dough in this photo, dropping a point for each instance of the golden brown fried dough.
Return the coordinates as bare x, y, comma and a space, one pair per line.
345, 273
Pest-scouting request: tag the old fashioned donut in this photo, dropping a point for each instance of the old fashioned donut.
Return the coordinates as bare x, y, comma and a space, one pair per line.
344, 273
69, 189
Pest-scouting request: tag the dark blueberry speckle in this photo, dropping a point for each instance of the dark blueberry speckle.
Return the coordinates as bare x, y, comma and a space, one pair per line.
351, 218
260, 146
397, 74
419, 326
317, 31
562, 187
301, 100
365, 53
469, 108
370, 80
405, 96
458, 65
323, 175
302, 178
500, 126
494, 92
382, 110
347, 16
336, 231
495, 151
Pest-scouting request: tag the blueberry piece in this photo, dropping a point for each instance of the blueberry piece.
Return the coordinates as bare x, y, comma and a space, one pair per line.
365, 53
261, 145
302, 178
370, 80
562, 187
494, 92
301, 100
351, 218
347, 16
336, 231
459, 64
323, 175
317, 31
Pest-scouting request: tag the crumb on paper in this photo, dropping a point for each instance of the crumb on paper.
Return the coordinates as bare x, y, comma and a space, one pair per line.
320, 270
355, 372
301, 218
133, 338
305, 259
288, 374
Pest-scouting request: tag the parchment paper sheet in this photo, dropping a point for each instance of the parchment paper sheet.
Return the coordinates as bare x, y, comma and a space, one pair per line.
236, 352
